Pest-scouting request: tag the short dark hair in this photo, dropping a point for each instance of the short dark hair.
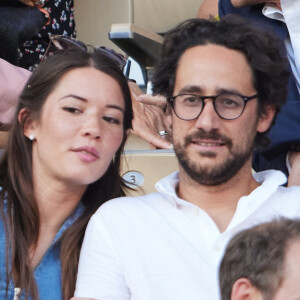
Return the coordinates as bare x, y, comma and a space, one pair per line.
265, 54
258, 255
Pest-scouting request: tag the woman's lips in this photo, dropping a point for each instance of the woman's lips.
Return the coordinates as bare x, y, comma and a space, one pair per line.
87, 154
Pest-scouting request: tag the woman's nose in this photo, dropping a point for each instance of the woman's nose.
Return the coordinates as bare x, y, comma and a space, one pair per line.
92, 127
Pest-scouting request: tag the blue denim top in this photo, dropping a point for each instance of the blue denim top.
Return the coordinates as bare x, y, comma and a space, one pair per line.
48, 272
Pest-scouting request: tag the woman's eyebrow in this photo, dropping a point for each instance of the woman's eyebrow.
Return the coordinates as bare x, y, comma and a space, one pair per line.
74, 96
115, 106
85, 100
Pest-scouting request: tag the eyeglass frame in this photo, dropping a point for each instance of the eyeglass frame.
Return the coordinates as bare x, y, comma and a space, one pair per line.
171, 101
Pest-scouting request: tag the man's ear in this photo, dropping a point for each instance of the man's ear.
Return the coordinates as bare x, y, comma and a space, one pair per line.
29, 124
243, 289
265, 120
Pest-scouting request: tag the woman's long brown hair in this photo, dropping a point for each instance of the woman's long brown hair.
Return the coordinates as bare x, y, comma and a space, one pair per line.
18, 207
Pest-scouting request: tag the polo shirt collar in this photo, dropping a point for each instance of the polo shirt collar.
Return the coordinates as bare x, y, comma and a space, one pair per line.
269, 180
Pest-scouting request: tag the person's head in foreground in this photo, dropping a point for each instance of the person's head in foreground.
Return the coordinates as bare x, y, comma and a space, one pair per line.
65, 144
263, 263
225, 81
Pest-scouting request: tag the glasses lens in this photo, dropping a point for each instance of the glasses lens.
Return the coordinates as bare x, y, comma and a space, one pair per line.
229, 106
187, 107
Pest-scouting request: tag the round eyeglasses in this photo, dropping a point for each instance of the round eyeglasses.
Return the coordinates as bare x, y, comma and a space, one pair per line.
227, 106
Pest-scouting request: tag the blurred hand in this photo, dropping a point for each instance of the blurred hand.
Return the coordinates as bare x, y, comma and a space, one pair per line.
149, 117
12, 81
294, 176
207, 9
241, 3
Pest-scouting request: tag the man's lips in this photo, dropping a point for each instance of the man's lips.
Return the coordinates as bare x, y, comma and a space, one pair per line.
208, 139
210, 143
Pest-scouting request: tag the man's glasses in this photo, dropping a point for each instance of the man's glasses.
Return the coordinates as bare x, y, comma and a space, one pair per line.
61, 42
227, 106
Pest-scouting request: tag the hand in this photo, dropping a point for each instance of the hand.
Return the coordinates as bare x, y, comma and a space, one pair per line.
241, 3
148, 117
207, 9
12, 81
294, 176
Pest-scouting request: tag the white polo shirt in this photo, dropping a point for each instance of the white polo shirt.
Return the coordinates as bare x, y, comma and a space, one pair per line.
160, 247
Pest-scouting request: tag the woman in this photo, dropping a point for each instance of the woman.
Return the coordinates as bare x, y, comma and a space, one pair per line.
61, 163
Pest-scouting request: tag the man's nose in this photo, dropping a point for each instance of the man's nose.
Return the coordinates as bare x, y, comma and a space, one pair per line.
208, 119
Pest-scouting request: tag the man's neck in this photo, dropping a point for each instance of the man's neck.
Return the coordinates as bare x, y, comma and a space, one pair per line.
219, 201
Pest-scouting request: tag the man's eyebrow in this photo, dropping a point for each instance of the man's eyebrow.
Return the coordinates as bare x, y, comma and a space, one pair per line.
85, 100
191, 89
229, 91
200, 90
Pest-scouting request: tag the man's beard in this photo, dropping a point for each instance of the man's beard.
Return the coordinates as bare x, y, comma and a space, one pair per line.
218, 174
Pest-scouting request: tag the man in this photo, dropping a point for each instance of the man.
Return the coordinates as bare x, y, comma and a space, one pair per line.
223, 97
263, 263
282, 18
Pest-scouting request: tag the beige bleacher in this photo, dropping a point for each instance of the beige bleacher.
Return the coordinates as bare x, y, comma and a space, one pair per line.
94, 19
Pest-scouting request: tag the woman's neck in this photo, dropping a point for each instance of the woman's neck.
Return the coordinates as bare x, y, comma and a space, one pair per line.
56, 200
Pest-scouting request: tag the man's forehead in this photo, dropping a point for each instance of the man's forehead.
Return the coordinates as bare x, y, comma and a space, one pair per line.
213, 65
216, 52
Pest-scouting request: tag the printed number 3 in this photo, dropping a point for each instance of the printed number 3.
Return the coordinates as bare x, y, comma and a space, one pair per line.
132, 179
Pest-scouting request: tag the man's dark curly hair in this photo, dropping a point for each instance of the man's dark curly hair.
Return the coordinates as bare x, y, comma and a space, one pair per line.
265, 54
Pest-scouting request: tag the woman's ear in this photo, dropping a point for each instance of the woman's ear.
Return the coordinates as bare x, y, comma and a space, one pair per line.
29, 125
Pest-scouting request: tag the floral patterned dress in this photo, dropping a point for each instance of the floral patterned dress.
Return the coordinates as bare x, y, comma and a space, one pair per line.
62, 22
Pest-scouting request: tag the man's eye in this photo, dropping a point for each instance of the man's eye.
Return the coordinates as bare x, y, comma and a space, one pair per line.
111, 120
72, 110
229, 102
190, 100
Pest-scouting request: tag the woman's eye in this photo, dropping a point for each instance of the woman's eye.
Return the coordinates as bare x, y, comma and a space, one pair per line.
72, 110
111, 120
